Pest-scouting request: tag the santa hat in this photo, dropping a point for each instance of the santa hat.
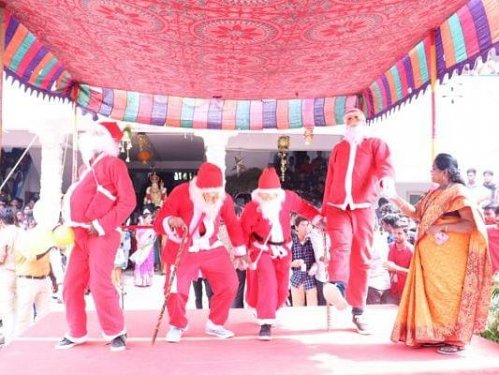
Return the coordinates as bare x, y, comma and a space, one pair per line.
269, 181
113, 129
209, 178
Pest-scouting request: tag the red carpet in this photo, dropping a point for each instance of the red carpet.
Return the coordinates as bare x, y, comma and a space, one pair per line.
300, 345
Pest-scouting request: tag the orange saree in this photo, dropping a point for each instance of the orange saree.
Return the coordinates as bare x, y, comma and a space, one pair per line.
447, 291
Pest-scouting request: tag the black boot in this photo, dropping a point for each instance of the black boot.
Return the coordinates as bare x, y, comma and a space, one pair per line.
265, 333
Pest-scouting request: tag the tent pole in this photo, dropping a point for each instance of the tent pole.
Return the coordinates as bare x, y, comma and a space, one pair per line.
433, 81
74, 170
2, 42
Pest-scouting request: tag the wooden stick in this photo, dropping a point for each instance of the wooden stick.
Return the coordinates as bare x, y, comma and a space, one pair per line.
326, 261
169, 286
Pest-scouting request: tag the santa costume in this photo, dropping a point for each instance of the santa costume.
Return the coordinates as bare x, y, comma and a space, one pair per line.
359, 167
266, 222
95, 206
201, 205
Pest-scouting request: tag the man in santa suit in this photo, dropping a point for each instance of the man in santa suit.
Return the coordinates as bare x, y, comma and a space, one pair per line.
359, 167
195, 210
266, 222
95, 206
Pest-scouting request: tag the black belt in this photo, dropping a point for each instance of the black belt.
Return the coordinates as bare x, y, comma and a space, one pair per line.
32, 277
260, 240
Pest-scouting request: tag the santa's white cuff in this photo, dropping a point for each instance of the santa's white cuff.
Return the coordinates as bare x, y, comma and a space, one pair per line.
112, 337
240, 250
77, 340
172, 235
98, 227
266, 321
387, 185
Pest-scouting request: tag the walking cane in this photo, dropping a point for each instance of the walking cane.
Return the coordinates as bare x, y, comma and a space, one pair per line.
122, 292
170, 282
326, 262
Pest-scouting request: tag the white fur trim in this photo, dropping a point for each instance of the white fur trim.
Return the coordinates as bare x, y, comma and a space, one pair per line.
107, 193
239, 250
387, 187
98, 227
266, 321
171, 234
254, 194
111, 337
349, 174
218, 189
77, 340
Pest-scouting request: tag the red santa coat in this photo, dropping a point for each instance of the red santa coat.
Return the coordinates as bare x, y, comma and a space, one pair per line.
267, 286
352, 183
180, 204
257, 228
203, 251
103, 195
354, 173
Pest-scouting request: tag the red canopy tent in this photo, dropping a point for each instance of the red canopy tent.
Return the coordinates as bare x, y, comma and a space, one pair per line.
242, 64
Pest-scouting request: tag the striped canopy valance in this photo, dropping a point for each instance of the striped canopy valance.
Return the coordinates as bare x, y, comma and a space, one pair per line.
214, 113
467, 35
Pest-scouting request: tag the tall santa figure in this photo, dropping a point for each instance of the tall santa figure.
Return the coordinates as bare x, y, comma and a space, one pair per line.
266, 222
195, 210
359, 167
95, 206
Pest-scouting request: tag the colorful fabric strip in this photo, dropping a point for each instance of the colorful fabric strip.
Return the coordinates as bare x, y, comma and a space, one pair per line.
468, 34
215, 113
27, 60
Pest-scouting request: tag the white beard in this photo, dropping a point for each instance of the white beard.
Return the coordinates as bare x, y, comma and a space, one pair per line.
355, 134
93, 143
271, 211
210, 210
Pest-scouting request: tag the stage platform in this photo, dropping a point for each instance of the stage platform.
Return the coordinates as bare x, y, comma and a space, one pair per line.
301, 345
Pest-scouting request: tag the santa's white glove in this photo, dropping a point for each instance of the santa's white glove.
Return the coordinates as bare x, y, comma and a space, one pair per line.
242, 262
387, 187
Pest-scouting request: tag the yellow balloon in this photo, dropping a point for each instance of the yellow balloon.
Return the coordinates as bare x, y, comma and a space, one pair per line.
64, 236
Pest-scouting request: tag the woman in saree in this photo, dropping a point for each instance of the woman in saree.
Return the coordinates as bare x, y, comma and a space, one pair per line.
143, 257
447, 293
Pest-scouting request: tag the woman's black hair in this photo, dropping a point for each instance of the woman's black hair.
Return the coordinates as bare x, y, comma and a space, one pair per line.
448, 164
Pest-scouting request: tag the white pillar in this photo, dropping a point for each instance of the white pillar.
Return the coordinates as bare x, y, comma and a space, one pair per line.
49, 206
215, 142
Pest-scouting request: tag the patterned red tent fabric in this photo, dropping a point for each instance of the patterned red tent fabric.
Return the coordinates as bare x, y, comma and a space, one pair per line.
242, 64
233, 49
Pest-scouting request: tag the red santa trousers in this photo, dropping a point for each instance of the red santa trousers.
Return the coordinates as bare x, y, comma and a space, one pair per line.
268, 285
351, 233
217, 268
90, 266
